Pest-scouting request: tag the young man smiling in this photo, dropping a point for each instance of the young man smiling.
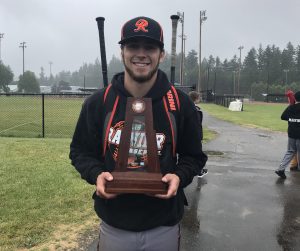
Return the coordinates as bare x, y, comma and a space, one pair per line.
139, 221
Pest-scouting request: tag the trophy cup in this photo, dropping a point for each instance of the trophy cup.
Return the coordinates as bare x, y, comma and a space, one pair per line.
137, 169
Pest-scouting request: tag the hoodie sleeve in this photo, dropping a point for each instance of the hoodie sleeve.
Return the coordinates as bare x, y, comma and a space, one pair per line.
85, 148
191, 158
285, 114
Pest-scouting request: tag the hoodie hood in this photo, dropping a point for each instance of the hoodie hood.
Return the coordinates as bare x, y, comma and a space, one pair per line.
158, 90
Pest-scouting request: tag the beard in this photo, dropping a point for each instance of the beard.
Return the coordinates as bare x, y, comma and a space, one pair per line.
141, 79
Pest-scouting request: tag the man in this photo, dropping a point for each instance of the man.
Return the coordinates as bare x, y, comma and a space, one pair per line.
195, 97
291, 99
139, 221
292, 115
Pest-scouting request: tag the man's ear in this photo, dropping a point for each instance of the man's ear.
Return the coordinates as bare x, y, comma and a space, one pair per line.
162, 56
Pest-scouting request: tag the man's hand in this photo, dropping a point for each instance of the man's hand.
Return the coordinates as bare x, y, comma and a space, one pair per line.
173, 183
100, 185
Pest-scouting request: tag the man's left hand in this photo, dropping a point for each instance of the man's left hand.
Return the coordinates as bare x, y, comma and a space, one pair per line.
173, 183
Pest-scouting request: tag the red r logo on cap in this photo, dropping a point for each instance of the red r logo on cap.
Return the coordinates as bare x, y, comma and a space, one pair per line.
141, 25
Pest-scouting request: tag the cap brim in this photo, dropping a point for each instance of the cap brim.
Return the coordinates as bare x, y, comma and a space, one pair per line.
128, 39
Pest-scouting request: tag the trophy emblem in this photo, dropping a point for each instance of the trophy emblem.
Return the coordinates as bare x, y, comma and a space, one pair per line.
138, 106
137, 168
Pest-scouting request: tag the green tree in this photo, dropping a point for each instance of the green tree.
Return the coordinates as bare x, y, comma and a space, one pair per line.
266, 65
28, 83
95, 78
92, 73
115, 66
62, 86
287, 57
218, 63
297, 63
260, 62
275, 67
166, 65
249, 73
6, 76
191, 68
211, 62
42, 79
63, 75
288, 62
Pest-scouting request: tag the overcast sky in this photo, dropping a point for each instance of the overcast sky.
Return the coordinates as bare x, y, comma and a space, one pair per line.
65, 31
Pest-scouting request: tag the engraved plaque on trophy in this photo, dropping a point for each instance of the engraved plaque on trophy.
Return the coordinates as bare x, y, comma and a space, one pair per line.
137, 169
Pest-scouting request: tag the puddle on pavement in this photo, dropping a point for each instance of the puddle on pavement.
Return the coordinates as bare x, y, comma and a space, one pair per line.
263, 136
214, 153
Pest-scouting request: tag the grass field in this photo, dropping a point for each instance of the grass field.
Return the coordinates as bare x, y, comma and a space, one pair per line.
22, 116
43, 199
261, 115
44, 203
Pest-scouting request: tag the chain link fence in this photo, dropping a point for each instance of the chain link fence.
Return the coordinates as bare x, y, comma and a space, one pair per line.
42, 115
39, 115
225, 100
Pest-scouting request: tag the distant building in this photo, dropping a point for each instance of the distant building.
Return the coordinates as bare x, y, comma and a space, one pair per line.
74, 90
45, 89
89, 89
13, 88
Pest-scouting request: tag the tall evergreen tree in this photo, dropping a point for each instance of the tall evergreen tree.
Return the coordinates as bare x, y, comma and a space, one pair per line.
275, 68
288, 64
42, 78
249, 73
115, 65
260, 63
191, 68
297, 63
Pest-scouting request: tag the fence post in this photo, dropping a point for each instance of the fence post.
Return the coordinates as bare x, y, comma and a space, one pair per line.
43, 115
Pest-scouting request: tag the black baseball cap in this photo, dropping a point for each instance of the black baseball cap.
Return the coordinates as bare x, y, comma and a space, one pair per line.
142, 27
297, 96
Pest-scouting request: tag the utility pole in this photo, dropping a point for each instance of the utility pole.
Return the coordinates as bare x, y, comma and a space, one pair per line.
240, 64
234, 86
1, 36
23, 46
181, 20
183, 61
202, 19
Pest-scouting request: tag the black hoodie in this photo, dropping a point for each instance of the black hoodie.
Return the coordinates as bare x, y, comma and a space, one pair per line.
136, 212
292, 115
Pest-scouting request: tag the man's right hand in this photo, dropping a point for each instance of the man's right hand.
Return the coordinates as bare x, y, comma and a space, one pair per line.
100, 185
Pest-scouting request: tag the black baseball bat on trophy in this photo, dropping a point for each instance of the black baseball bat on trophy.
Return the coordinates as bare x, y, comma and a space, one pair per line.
174, 19
100, 23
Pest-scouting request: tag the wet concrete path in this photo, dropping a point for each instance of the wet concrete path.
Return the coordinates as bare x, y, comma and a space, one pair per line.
241, 204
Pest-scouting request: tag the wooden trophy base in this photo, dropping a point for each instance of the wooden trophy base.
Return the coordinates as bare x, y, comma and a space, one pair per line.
136, 182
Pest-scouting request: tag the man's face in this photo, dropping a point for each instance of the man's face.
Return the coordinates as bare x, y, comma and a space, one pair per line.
141, 58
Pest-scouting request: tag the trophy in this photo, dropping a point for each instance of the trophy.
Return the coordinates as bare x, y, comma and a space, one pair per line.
137, 168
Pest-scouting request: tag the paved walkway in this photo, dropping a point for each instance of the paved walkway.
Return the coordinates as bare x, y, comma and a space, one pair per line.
241, 204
